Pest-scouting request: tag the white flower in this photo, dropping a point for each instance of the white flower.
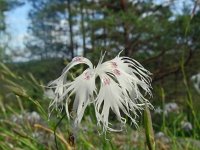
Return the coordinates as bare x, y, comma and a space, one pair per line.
196, 82
186, 126
49, 93
158, 110
170, 107
121, 81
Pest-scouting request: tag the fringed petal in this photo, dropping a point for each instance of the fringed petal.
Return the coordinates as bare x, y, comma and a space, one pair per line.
63, 88
122, 82
112, 97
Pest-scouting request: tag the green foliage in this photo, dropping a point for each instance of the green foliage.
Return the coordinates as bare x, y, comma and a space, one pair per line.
149, 129
105, 25
150, 32
42, 70
26, 95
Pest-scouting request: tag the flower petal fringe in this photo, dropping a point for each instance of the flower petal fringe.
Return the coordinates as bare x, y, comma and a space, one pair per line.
121, 81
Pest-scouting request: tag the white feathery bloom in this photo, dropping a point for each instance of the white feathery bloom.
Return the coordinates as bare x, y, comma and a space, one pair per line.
196, 82
82, 87
121, 82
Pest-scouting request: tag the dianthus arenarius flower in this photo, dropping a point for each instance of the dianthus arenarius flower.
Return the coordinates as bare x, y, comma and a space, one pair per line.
121, 81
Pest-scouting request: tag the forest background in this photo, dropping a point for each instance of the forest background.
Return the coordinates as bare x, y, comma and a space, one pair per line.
163, 35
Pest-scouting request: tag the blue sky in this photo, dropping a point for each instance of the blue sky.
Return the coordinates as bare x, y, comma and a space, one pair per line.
17, 23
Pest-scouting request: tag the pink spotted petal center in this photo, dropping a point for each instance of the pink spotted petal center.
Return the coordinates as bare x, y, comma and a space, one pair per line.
114, 64
116, 72
87, 76
77, 59
106, 81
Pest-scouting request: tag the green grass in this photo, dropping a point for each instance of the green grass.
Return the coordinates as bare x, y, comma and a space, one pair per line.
21, 94
41, 69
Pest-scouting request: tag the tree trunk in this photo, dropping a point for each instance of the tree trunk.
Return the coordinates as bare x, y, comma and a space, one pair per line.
83, 27
123, 5
70, 29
